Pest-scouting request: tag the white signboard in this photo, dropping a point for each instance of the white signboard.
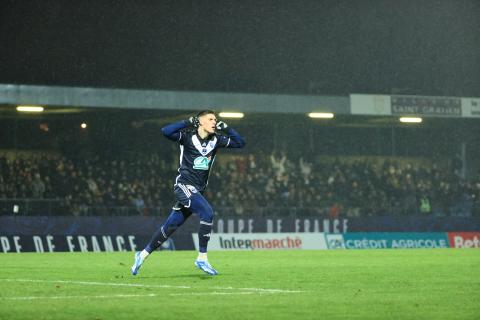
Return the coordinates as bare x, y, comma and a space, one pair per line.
471, 107
264, 241
370, 104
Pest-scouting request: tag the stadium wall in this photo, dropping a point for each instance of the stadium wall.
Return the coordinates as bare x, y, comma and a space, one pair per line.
100, 234
243, 241
67, 225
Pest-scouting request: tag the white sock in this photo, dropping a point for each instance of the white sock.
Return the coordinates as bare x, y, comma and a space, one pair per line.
144, 254
202, 256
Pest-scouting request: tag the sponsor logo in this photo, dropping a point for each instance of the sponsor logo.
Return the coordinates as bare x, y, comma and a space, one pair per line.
200, 163
441, 106
336, 244
475, 107
335, 241
252, 244
395, 240
265, 241
464, 239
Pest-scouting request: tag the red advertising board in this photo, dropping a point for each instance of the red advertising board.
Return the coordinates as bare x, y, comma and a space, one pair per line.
464, 239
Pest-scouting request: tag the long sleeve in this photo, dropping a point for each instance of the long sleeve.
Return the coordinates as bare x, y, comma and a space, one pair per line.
235, 140
172, 131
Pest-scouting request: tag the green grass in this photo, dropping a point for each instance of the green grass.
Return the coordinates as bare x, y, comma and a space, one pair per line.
343, 284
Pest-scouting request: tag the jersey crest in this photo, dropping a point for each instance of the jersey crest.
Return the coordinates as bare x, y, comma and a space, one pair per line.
205, 149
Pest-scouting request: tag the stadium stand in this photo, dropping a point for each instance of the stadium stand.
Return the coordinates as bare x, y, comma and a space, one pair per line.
253, 184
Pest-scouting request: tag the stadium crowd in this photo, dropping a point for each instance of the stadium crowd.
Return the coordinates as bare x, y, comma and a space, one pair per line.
270, 184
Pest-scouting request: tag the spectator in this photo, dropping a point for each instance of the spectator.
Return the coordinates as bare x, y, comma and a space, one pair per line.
359, 188
277, 162
38, 186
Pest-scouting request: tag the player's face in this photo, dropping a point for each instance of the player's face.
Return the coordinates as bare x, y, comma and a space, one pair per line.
208, 122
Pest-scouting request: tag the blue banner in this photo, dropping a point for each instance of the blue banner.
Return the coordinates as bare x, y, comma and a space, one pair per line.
146, 225
86, 243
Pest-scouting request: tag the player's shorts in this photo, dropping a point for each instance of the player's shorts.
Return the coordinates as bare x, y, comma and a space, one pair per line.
183, 194
190, 200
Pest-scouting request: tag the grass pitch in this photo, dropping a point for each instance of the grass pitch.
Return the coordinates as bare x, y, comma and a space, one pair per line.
343, 284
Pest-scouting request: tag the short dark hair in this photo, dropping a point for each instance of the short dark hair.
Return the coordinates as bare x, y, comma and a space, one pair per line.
204, 112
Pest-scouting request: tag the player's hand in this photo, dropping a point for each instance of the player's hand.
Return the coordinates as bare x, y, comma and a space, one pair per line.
221, 125
194, 121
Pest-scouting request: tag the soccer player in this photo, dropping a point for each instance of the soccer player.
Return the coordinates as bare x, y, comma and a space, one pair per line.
198, 148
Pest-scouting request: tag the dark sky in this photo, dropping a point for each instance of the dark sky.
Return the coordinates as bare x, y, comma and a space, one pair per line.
337, 47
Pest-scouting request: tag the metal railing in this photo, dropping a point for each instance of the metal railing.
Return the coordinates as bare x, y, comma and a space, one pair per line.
32, 206
61, 207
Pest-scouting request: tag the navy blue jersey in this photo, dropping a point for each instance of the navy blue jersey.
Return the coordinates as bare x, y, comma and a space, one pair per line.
197, 155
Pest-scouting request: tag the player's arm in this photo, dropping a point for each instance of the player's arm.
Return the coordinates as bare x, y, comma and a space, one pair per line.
173, 131
232, 139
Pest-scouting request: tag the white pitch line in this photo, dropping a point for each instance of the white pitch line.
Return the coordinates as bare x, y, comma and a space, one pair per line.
95, 283
124, 296
260, 290
214, 293
82, 297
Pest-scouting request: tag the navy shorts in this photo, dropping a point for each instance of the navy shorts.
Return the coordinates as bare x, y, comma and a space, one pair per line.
190, 198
